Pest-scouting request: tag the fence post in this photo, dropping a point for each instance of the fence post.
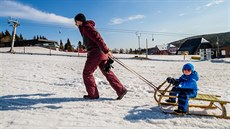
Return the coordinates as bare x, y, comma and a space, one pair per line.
50, 51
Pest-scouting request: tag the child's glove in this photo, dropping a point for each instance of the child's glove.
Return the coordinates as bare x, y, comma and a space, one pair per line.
170, 80
173, 81
176, 83
108, 65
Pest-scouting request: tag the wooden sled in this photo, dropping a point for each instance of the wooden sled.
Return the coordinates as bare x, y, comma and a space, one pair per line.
206, 102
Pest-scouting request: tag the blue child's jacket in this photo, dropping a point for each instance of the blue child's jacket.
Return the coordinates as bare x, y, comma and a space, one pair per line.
189, 81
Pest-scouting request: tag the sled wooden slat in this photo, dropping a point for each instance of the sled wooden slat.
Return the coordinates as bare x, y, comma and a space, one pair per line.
208, 97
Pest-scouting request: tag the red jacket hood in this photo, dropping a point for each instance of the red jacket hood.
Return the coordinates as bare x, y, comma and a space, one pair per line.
90, 23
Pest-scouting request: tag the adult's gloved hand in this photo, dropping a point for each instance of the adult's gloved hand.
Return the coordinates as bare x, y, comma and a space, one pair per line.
108, 65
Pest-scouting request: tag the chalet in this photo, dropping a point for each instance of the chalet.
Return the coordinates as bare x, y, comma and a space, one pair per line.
34, 42
172, 49
192, 46
225, 50
218, 43
158, 50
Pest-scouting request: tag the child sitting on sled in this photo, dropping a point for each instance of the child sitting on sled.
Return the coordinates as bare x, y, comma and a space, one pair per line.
185, 87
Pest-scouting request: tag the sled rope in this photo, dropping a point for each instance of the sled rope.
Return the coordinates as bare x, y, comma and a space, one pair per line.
217, 107
135, 73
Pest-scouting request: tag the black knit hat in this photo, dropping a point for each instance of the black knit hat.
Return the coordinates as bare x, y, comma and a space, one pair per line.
80, 17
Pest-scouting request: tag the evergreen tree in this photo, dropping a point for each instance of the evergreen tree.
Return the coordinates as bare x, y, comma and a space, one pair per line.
43, 37
79, 44
1, 35
68, 41
68, 47
61, 47
135, 51
115, 50
130, 51
20, 37
121, 51
7, 33
17, 38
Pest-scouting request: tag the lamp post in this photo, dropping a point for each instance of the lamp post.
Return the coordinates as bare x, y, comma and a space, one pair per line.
218, 49
146, 48
139, 40
15, 24
152, 38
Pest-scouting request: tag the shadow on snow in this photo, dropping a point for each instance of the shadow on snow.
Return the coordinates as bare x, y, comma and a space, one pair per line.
26, 102
139, 113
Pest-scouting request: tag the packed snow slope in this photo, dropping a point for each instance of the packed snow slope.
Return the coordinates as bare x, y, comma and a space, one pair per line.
45, 92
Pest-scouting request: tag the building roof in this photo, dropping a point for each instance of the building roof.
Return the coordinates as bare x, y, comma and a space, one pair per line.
226, 44
190, 45
162, 47
203, 40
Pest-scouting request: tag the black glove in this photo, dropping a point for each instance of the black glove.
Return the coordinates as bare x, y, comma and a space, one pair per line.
173, 81
176, 83
170, 80
108, 65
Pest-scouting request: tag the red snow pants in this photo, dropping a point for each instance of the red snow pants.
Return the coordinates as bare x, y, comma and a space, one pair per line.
89, 81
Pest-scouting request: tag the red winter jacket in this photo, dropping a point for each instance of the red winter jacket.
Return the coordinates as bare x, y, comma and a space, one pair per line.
93, 41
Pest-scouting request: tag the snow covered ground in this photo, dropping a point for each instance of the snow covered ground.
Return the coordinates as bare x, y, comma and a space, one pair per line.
45, 92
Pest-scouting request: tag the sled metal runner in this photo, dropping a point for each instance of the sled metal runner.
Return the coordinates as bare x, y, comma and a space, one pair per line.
212, 102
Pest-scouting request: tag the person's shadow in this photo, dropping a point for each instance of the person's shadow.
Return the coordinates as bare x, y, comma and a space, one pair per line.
29, 101
139, 113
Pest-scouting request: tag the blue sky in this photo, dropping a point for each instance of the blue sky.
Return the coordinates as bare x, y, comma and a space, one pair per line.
118, 21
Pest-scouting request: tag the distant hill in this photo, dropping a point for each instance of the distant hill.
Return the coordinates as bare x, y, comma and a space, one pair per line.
212, 38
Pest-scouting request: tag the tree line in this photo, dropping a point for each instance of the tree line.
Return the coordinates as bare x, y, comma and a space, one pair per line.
7, 37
